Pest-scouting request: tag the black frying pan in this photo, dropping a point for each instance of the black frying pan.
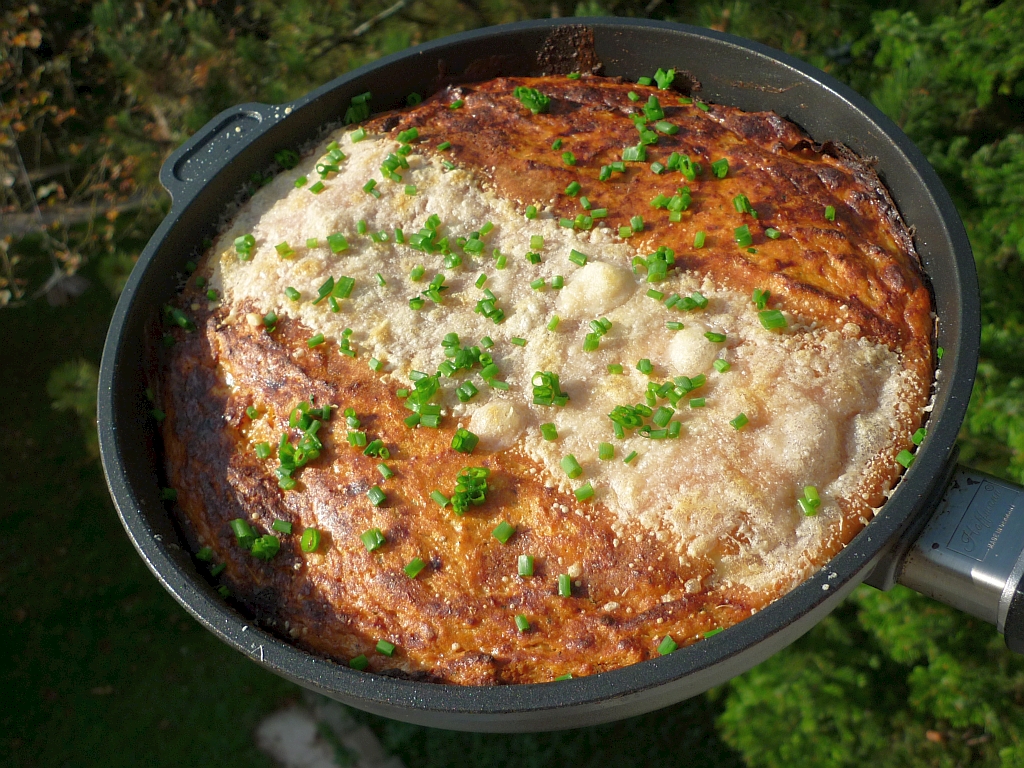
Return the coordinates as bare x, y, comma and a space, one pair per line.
966, 556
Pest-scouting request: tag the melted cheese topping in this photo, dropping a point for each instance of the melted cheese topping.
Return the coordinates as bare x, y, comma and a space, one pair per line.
823, 406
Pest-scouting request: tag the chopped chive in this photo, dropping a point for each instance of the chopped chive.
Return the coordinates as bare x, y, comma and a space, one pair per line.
281, 526
417, 273
633, 96
284, 250
697, 402
522, 623
605, 451
310, 540
698, 239
636, 223
361, 227
577, 258
531, 211
373, 539
573, 189
414, 567
300, 182
548, 432
518, 341
939, 352
205, 554
722, 365
377, 496
566, 223
645, 367
564, 585
380, 280
217, 570
663, 126
674, 325
919, 436
486, 342
772, 319
317, 188
573, 76
566, 676
656, 295
569, 158
571, 467
556, 144
503, 532
667, 646
830, 213
740, 421
629, 458
315, 341
464, 441
584, 492
481, 280
444, 145
525, 565
360, 662
720, 168
702, 106
538, 284
712, 632
557, 282
772, 233
410, 189
905, 457
386, 648
742, 236
385, 471
440, 498
457, 104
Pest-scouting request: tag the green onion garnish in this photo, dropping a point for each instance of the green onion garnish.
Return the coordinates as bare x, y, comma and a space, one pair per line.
317, 188
503, 532
584, 492
532, 99
360, 662
315, 341
615, 368
373, 539
440, 498
740, 421
531, 211
205, 554
464, 441
412, 570
674, 325
386, 648
525, 565
772, 233
667, 646
457, 104
569, 158
571, 467
830, 213
410, 189
538, 284
564, 585
905, 457
168, 494
605, 451
518, 341
566, 676
720, 168
919, 436
743, 236
385, 471
522, 623
716, 338
548, 432
577, 258
377, 496
310, 540
557, 282
636, 223
629, 458
573, 189
645, 367
772, 319
284, 250
281, 526
722, 365
760, 298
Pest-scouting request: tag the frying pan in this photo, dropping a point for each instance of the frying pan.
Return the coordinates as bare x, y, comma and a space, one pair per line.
946, 531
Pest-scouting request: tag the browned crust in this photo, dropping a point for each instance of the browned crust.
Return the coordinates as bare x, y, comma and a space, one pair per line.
454, 623
861, 268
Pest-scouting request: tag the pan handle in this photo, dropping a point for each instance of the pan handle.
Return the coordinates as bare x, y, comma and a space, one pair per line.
970, 554
192, 165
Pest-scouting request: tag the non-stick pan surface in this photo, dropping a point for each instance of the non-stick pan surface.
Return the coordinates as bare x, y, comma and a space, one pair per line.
207, 173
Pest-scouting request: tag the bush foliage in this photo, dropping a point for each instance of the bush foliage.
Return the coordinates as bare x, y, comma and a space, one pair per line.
93, 97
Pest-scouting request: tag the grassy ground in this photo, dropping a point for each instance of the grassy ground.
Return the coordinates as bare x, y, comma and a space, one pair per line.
102, 667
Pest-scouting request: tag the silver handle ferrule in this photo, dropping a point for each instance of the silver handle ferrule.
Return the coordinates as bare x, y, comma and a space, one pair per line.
969, 555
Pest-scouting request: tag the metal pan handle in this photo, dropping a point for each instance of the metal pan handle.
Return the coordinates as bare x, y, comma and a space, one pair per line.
970, 554
196, 162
